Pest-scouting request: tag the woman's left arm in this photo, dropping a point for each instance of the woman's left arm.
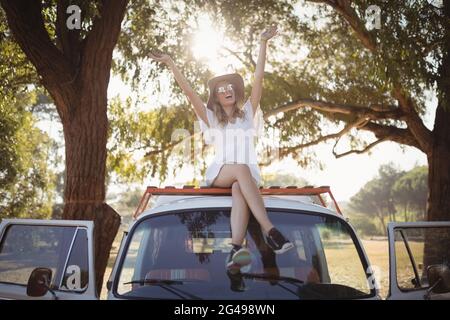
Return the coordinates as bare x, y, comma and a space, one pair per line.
255, 96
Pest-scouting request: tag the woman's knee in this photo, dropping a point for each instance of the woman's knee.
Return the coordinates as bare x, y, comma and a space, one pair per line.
238, 197
235, 188
241, 170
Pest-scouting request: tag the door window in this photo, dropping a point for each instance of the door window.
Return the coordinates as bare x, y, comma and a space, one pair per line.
415, 250
62, 249
26, 247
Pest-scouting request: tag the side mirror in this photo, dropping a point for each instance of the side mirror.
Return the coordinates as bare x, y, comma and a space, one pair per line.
439, 278
39, 282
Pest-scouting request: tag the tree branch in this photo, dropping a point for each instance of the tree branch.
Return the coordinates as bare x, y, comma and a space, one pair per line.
27, 25
343, 7
402, 136
381, 132
168, 147
248, 54
103, 37
373, 112
367, 148
249, 65
68, 40
422, 134
415, 124
358, 123
248, 49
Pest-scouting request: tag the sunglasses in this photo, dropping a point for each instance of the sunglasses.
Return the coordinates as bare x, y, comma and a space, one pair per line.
224, 89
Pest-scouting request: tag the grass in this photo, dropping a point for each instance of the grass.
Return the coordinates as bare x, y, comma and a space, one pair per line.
378, 255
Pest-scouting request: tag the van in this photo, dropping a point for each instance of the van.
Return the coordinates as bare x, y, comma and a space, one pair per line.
177, 249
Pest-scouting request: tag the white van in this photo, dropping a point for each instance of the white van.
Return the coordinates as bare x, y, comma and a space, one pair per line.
177, 250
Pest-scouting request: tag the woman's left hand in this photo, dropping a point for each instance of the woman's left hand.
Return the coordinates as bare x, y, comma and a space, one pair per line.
269, 33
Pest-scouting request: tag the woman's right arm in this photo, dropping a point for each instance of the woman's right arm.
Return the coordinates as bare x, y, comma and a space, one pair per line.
194, 99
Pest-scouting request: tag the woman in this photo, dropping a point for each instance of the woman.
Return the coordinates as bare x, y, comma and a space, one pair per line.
226, 112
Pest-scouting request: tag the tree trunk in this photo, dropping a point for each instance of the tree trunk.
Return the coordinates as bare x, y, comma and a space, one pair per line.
439, 174
86, 137
439, 187
383, 223
76, 74
439, 159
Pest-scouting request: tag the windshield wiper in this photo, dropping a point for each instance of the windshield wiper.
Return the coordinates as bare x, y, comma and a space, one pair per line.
268, 277
169, 286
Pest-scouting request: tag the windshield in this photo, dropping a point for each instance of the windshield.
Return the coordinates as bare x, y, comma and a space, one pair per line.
183, 255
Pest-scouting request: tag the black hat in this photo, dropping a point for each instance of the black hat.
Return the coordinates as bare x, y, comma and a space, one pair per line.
233, 78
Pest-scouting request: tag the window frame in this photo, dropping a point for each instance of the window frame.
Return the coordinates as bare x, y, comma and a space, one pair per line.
412, 262
395, 292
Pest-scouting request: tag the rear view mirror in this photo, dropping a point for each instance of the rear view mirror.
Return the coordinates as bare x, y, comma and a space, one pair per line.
439, 278
39, 282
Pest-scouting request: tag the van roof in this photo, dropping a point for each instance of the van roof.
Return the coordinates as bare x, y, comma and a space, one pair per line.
169, 199
202, 202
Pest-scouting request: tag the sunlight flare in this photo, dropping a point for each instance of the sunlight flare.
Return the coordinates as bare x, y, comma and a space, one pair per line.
207, 43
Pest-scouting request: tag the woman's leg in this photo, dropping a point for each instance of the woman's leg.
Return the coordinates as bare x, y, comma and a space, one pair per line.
230, 173
240, 215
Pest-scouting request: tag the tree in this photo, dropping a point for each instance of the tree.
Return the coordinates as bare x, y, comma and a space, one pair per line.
283, 180
409, 54
388, 175
392, 190
411, 190
368, 201
74, 67
26, 177
376, 197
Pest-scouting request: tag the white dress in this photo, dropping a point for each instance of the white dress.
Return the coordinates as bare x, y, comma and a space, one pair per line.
234, 143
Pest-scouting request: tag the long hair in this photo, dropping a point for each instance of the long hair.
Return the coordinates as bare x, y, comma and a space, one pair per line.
222, 116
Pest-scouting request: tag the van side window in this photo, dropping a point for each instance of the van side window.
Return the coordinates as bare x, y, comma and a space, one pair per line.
26, 247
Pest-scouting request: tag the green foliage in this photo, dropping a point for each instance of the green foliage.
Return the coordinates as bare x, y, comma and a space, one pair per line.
283, 180
26, 182
411, 191
8, 127
376, 195
15, 70
365, 226
144, 140
127, 201
390, 194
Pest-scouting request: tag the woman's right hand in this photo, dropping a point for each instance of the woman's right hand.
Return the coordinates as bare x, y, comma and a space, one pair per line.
160, 57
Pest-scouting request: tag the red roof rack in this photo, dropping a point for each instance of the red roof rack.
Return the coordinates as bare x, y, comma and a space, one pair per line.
272, 190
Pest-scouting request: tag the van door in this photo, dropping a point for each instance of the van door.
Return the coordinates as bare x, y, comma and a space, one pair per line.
63, 246
419, 260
